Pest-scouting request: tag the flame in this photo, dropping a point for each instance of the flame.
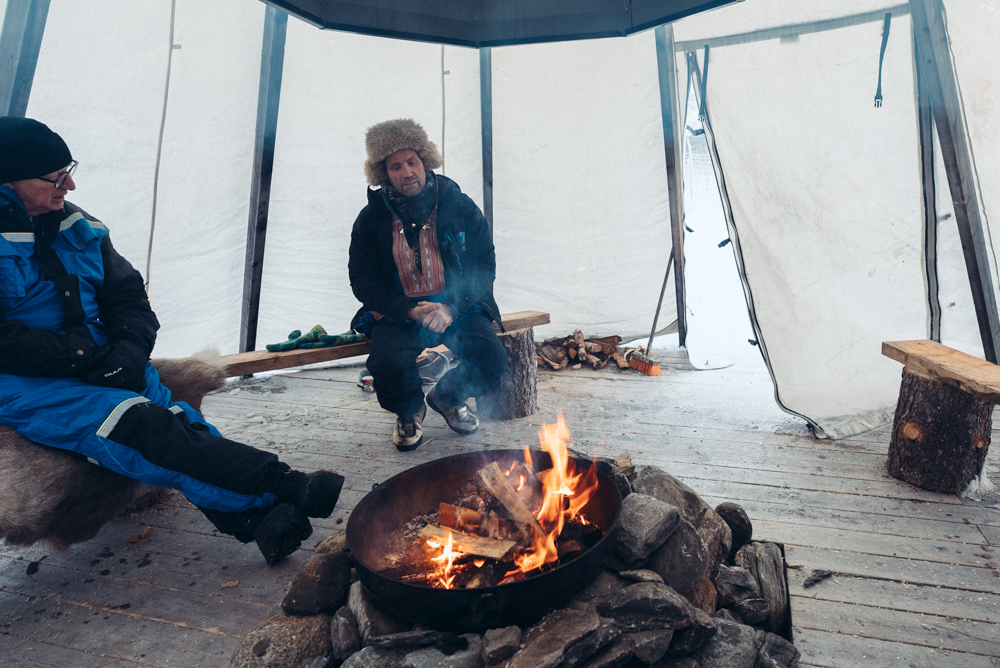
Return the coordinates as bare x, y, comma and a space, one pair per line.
447, 560
564, 494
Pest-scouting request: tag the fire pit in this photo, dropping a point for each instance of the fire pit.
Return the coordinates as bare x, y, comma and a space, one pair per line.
373, 538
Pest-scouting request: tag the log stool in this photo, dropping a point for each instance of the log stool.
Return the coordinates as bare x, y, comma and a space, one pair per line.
941, 432
517, 394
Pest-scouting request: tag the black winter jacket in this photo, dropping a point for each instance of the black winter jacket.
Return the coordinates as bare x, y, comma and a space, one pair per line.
466, 250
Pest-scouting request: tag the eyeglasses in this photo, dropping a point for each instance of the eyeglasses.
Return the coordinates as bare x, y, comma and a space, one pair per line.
61, 179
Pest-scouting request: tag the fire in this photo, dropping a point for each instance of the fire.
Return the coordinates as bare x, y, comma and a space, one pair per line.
564, 494
447, 560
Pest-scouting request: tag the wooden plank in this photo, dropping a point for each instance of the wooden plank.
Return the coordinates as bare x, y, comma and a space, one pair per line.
247, 363
832, 649
880, 623
948, 365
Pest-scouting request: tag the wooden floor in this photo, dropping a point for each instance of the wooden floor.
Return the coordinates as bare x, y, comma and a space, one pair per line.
916, 579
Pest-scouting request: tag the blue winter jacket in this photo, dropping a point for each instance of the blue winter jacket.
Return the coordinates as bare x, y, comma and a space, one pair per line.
64, 292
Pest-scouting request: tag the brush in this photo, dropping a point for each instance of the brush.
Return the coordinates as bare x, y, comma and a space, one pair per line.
646, 362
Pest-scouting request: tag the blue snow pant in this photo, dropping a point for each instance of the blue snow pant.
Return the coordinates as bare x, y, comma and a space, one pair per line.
150, 438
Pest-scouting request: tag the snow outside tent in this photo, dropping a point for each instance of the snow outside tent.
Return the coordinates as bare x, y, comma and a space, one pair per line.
822, 188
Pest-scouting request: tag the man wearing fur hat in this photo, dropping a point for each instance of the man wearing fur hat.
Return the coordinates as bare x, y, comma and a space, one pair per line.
422, 265
76, 332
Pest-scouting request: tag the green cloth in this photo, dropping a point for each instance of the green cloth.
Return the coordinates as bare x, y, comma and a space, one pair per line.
314, 338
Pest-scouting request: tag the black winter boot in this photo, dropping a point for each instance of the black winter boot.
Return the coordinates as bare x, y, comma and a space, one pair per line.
316, 494
281, 532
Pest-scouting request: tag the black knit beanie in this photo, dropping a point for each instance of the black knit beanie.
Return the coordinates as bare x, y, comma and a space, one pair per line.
29, 149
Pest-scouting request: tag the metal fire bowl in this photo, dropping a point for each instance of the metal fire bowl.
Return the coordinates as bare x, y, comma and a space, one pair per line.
419, 491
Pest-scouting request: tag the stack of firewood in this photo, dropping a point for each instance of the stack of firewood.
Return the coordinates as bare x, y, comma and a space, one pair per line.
574, 351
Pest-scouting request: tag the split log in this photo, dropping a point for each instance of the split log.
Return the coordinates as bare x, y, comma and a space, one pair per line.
940, 435
517, 394
501, 550
489, 524
496, 483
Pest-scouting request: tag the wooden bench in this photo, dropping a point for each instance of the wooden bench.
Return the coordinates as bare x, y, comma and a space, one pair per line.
516, 396
943, 423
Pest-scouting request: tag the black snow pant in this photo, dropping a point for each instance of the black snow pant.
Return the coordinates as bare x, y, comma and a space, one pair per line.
393, 365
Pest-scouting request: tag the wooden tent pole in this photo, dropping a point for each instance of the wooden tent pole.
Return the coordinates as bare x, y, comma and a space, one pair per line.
20, 42
925, 121
935, 68
670, 111
272, 60
486, 115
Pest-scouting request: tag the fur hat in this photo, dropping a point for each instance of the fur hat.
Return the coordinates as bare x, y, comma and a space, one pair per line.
384, 139
29, 149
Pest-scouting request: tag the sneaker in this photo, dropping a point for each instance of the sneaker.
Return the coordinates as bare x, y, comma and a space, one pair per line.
281, 532
459, 418
315, 494
408, 433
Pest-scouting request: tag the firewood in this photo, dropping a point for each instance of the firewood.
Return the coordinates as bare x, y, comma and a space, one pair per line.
619, 359
495, 526
495, 482
460, 519
609, 343
581, 347
501, 550
592, 347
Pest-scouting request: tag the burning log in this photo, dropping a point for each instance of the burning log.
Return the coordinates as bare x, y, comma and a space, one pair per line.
501, 550
495, 482
488, 524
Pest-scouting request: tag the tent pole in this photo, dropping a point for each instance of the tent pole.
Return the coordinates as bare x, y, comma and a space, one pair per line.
20, 42
486, 115
936, 69
925, 120
272, 59
670, 112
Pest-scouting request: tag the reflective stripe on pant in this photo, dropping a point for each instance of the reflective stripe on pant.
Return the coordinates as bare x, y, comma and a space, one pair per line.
146, 437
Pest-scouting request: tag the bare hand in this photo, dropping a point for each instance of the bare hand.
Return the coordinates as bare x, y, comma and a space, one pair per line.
434, 316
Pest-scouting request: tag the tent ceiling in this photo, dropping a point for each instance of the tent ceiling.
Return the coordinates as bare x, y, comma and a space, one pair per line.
478, 23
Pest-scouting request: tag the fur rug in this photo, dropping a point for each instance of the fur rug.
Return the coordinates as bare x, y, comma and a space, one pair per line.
59, 497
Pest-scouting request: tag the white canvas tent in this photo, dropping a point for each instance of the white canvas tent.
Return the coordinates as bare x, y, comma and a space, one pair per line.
822, 189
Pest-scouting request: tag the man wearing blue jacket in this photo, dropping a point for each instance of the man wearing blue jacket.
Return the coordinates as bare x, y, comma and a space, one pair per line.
76, 332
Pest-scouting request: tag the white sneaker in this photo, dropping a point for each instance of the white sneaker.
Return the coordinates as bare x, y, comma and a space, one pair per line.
408, 434
459, 418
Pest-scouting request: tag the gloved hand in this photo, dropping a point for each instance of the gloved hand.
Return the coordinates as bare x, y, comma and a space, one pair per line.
120, 364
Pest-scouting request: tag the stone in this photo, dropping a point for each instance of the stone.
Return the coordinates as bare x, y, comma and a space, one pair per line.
682, 662
733, 646
776, 652
546, 642
650, 646
622, 483
703, 596
372, 619
372, 657
751, 610
728, 615
647, 606
501, 644
767, 564
682, 560
432, 657
735, 584
320, 585
691, 638
344, 639
605, 584
644, 524
713, 530
642, 575
614, 655
409, 639
739, 524
280, 641
333, 543
579, 652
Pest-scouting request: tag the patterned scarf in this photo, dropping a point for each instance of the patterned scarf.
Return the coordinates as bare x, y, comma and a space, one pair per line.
413, 211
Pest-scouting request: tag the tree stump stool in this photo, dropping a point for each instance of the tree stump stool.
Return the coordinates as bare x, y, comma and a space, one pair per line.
942, 428
517, 394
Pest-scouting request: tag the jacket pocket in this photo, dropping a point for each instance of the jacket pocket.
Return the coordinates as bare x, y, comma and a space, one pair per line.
11, 276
